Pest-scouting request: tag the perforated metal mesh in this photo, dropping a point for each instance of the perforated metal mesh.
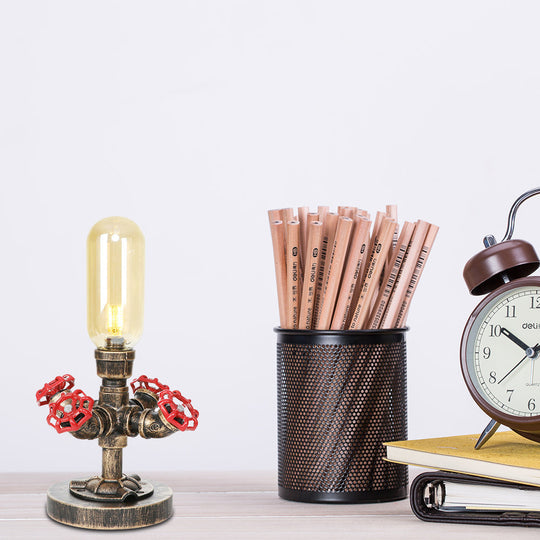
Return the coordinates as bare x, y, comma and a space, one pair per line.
340, 397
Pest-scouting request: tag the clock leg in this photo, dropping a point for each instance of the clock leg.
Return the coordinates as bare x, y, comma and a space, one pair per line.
490, 430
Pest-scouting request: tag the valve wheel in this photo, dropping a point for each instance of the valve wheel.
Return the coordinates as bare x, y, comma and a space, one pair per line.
145, 383
178, 410
70, 412
59, 383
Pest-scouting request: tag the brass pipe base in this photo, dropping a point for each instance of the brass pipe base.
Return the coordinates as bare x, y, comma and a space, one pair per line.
65, 508
102, 489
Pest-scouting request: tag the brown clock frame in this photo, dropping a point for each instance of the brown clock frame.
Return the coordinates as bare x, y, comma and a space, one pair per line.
529, 426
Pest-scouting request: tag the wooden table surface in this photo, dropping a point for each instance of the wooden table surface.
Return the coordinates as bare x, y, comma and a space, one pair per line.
233, 505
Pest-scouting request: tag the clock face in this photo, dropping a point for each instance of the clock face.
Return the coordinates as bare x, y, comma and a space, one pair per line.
502, 348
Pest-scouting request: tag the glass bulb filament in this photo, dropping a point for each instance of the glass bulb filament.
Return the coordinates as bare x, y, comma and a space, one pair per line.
115, 320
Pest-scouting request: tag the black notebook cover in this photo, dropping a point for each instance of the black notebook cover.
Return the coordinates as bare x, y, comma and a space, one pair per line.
422, 511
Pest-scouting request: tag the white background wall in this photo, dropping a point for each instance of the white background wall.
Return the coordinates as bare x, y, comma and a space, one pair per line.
193, 119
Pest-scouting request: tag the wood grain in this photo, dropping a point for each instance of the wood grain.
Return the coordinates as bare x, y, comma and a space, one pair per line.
230, 505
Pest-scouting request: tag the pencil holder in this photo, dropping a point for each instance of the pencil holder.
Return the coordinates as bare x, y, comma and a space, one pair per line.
341, 395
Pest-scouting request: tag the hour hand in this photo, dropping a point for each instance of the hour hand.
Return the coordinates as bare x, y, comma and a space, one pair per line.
515, 339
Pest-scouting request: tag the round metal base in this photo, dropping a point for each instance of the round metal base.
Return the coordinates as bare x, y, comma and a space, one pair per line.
63, 507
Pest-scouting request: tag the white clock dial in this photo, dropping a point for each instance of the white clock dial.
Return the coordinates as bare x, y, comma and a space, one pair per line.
503, 352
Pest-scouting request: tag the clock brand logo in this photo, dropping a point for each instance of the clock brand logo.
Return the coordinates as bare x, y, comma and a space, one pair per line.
530, 326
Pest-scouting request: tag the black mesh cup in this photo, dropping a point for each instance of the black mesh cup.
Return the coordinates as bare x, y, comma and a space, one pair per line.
341, 395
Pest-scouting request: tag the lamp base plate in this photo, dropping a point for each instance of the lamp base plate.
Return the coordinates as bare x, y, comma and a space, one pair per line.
63, 507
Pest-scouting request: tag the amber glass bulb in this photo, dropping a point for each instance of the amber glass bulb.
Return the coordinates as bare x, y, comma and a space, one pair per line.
115, 274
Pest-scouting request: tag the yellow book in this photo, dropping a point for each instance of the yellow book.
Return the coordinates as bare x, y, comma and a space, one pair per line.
506, 456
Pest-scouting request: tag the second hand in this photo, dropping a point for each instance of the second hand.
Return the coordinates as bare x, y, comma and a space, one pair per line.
531, 353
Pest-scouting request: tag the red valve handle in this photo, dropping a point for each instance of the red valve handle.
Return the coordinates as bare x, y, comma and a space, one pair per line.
62, 382
174, 407
152, 385
70, 412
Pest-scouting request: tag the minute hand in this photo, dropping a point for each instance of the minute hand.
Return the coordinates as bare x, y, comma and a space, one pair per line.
515, 339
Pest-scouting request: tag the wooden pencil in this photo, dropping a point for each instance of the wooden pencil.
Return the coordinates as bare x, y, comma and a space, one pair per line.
347, 211
382, 244
379, 216
311, 217
391, 274
294, 277
315, 231
358, 252
329, 231
404, 276
362, 272
419, 268
278, 244
334, 271
302, 218
322, 211
287, 214
391, 212
275, 215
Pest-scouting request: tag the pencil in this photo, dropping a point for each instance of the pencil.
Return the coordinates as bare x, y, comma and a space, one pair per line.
312, 216
322, 211
420, 265
357, 253
391, 212
391, 274
334, 270
362, 272
404, 276
294, 278
287, 215
275, 215
302, 218
329, 231
278, 244
310, 275
381, 245
379, 216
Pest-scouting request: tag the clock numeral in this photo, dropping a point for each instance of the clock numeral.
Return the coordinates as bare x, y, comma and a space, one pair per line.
535, 302
492, 377
487, 353
510, 312
494, 330
510, 392
531, 405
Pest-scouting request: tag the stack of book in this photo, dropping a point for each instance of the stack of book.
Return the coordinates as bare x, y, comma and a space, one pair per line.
496, 485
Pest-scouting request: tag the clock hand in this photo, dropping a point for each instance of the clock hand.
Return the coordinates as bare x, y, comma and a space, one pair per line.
531, 353
515, 339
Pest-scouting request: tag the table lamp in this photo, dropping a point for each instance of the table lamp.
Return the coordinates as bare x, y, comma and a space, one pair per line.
112, 499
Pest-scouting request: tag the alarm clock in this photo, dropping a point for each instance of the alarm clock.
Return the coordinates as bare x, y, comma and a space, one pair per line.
500, 347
